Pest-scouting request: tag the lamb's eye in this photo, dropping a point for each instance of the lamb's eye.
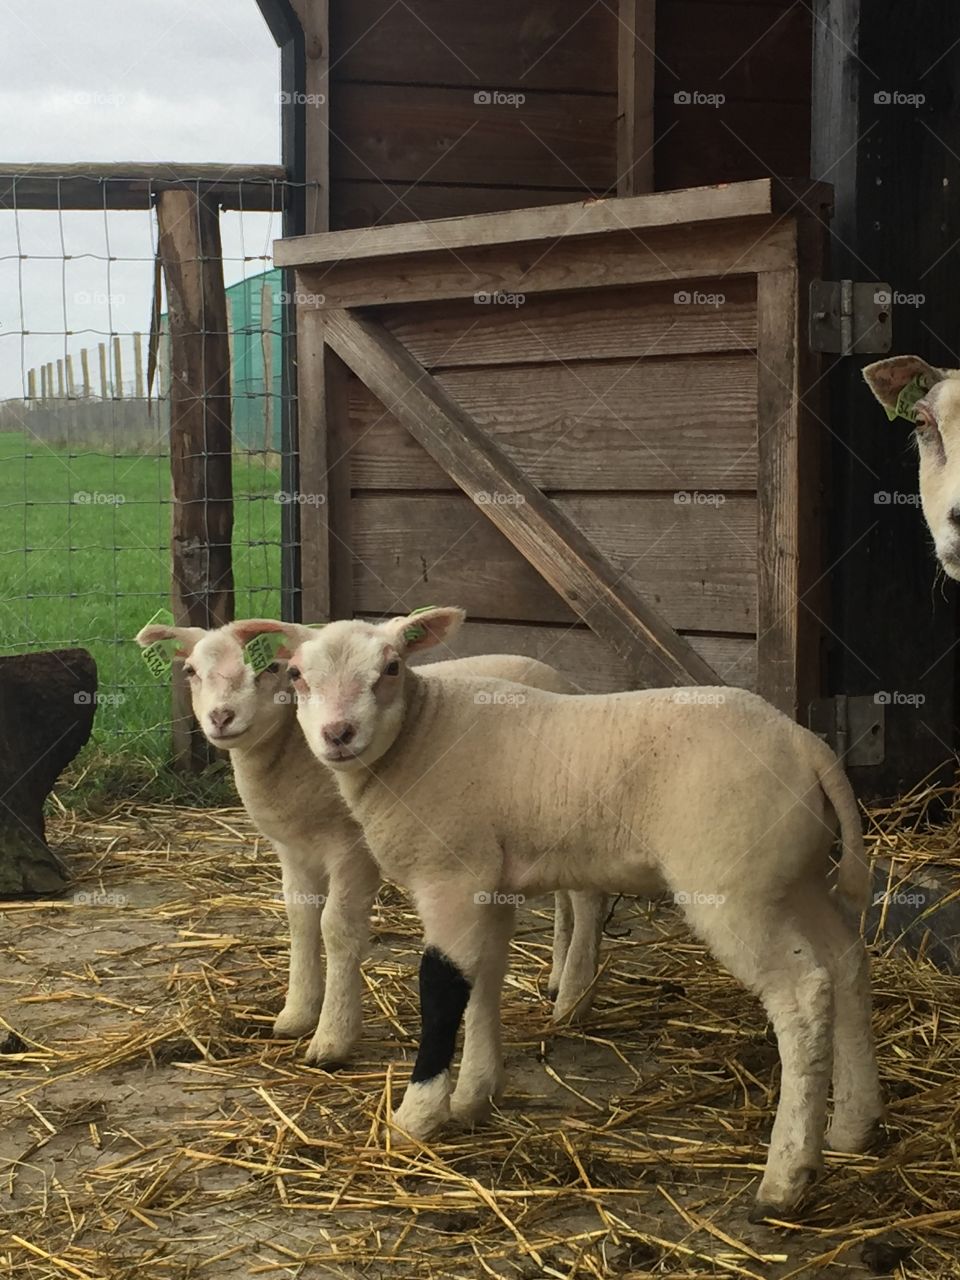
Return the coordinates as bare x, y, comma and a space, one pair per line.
189, 671
272, 670
293, 673
392, 668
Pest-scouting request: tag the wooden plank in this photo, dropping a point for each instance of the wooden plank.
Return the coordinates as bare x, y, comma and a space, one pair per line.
324, 498
587, 661
118, 367
757, 198
406, 133
694, 563
676, 254
314, 18
540, 531
636, 67
201, 458
132, 185
541, 44
740, 141
373, 203
650, 424
702, 316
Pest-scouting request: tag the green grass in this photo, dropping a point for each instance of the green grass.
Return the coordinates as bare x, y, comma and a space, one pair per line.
90, 573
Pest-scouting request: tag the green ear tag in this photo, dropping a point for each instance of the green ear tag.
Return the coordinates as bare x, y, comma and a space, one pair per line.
910, 393
261, 651
159, 655
417, 633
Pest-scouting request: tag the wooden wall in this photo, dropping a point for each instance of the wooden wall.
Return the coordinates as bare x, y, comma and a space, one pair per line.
409, 141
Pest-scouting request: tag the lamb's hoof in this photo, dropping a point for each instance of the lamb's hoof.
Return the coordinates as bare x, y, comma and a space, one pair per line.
760, 1212
425, 1107
292, 1024
552, 993
783, 1204
328, 1055
573, 1010
854, 1139
475, 1106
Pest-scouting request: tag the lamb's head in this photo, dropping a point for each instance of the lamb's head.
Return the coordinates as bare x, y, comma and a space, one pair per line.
936, 421
349, 680
234, 705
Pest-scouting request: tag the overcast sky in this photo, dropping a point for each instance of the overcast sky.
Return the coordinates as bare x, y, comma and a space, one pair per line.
138, 80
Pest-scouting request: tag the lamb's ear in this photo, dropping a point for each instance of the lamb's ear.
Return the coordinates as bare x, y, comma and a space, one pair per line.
887, 378
424, 629
294, 633
186, 637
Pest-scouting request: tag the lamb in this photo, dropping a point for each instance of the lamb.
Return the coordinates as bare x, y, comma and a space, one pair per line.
295, 803
929, 398
709, 793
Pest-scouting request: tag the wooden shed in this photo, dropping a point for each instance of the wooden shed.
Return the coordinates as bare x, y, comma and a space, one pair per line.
552, 266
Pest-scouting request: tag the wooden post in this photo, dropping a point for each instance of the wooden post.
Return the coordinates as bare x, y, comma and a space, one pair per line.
104, 381
44, 389
71, 389
636, 65
138, 364
201, 459
266, 339
85, 372
117, 368
60, 383
32, 384
50, 382
314, 18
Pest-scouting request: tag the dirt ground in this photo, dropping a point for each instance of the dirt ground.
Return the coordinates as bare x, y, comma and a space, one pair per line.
152, 1129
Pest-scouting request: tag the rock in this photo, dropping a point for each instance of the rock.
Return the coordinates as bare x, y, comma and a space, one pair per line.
47, 704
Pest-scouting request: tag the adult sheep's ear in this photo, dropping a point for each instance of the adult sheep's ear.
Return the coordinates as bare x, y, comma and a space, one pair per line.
186, 637
424, 629
887, 378
293, 633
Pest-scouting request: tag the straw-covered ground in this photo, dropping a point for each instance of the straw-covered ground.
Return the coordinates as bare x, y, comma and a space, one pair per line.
152, 1129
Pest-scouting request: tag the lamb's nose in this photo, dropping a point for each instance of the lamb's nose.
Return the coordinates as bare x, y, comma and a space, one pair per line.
339, 733
222, 717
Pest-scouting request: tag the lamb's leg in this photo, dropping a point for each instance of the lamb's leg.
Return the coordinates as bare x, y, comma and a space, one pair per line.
767, 947
304, 888
580, 964
481, 1076
462, 928
563, 922
345, 922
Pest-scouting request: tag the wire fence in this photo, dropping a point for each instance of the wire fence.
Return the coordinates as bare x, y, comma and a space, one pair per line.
85, 479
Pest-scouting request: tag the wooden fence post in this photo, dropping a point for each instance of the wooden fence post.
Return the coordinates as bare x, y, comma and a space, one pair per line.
117, 368
60, 384
71, 386
85, 372
266, 338
32, 384
201, 458
104, 381
138, 364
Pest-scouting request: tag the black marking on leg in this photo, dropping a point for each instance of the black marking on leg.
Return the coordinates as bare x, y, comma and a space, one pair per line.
444, 992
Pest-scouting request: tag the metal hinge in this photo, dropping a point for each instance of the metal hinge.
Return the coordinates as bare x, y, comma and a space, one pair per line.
853, 726
850, 317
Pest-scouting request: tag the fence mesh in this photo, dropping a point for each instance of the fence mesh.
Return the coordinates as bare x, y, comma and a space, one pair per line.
85, 485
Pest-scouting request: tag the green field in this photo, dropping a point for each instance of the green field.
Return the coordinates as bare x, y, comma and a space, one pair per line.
84, 560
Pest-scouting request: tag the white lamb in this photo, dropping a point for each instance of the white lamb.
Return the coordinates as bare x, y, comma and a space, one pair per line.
932, 405
295, 803
711, 793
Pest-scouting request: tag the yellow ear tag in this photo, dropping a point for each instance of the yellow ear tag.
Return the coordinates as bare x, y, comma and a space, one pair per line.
261, 651
159, 655
910, 393
417, 633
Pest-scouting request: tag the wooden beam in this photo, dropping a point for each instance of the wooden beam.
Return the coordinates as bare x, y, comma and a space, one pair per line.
636, 64
138, 365
537, 528
314, 18
96, 185
104, 379
201, 456
326, 559
763, 197
117, 368
85, 372
266, 346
